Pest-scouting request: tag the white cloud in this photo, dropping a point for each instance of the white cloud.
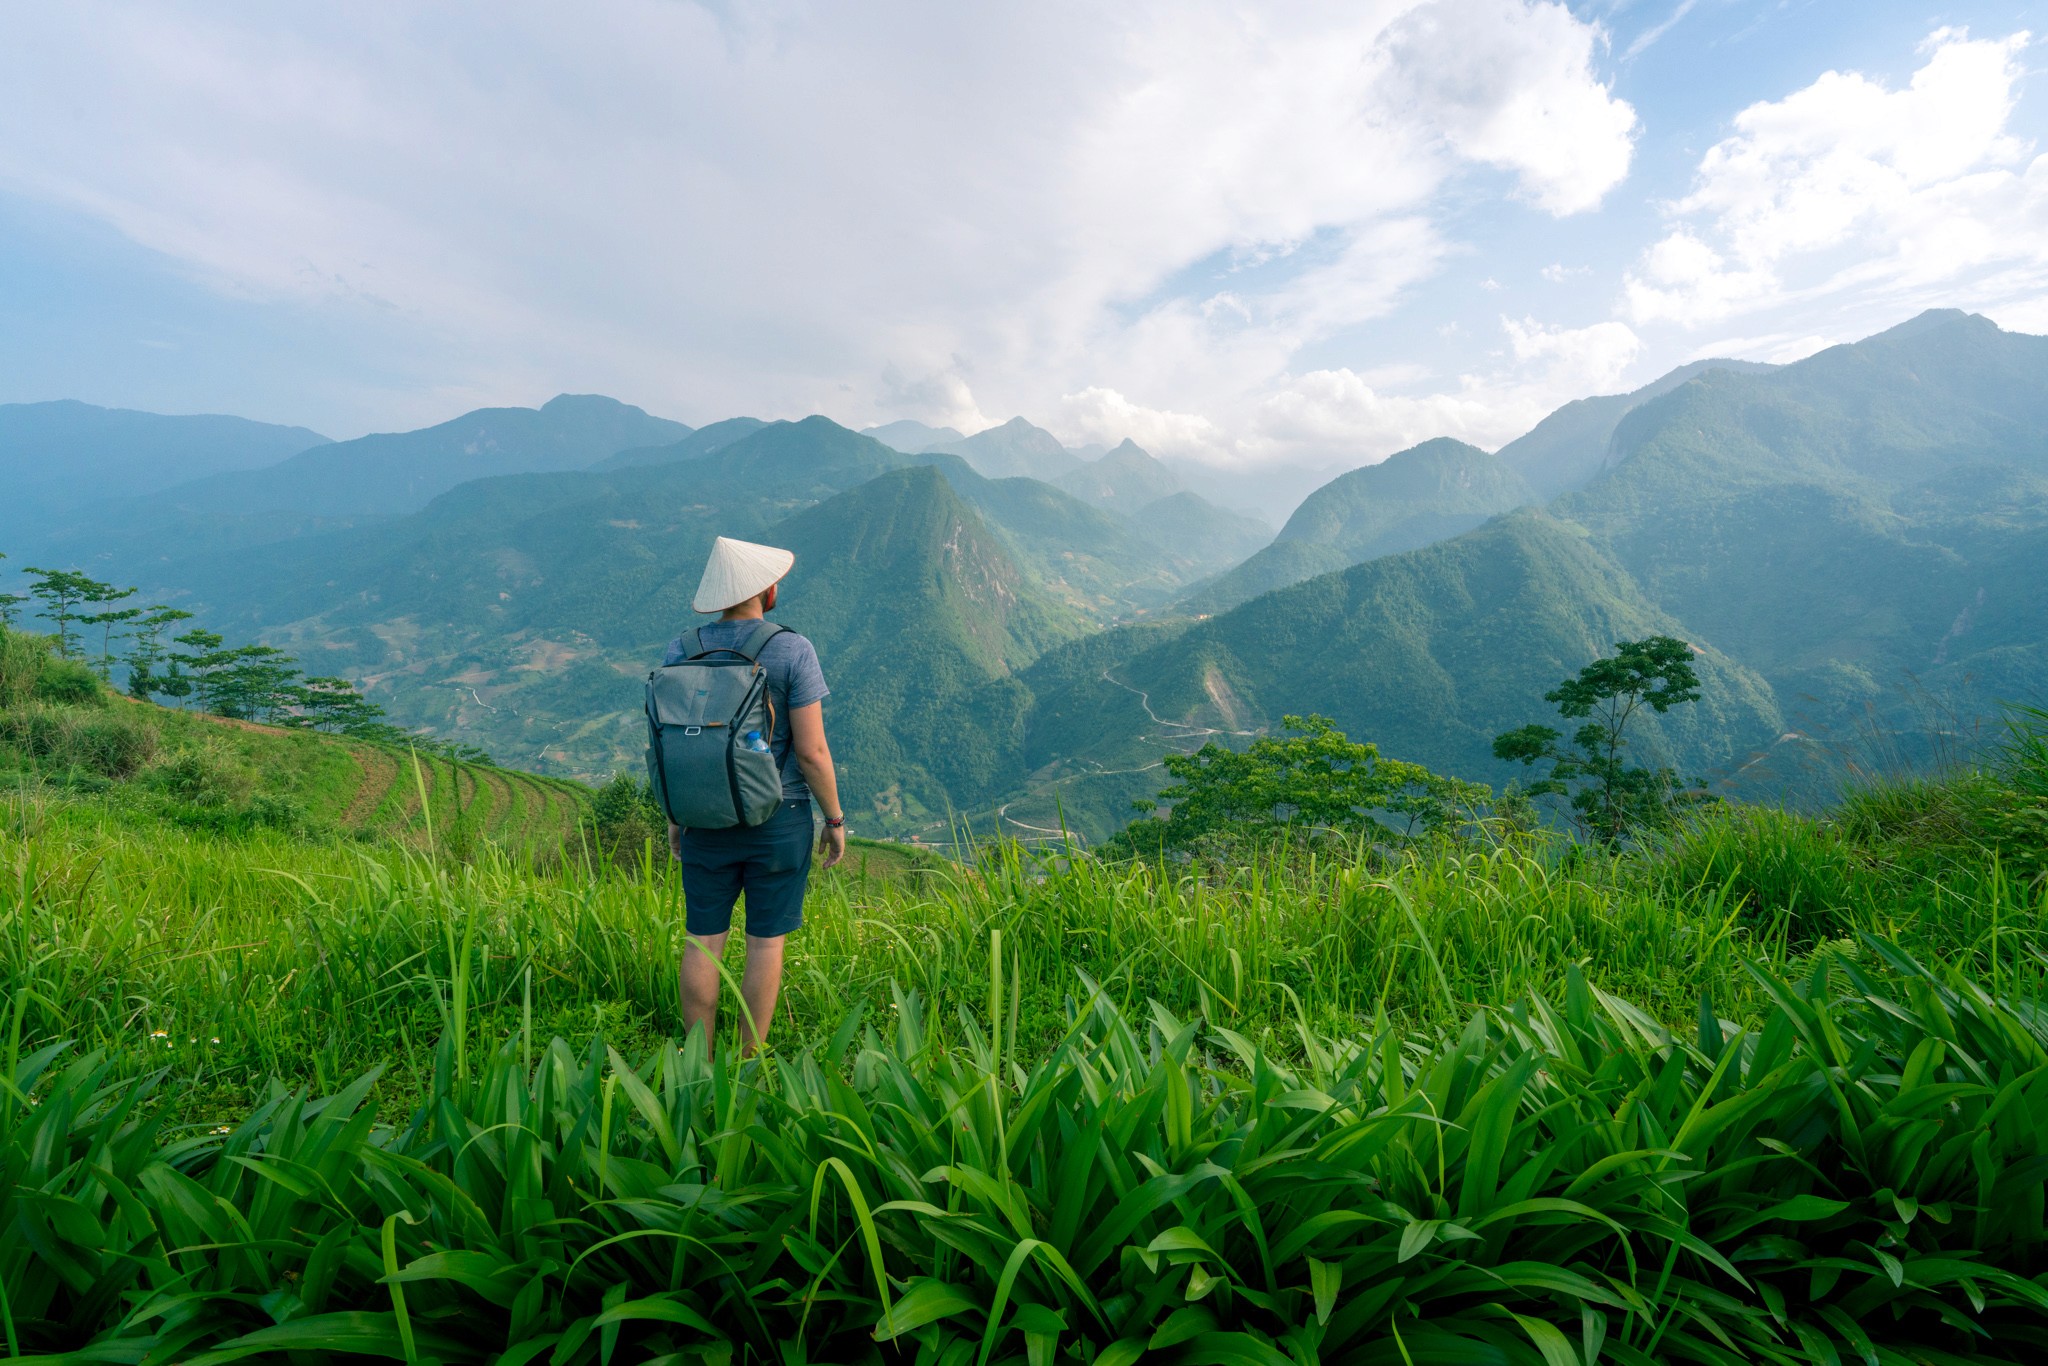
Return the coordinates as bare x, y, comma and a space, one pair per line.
711, 209
1510, 84
1850, 185
1339, 415
1583, 359
1106, 416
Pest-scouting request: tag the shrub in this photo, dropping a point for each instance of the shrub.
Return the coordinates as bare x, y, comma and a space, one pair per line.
22, 659
204, 775
1790, 877
279, 813
67, 682
110, 743
623, 818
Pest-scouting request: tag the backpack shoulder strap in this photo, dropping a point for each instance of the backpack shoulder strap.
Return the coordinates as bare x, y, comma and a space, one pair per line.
752, 646
748, 649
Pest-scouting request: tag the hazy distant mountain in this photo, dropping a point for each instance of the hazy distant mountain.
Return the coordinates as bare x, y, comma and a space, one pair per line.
1568, 448
401, 471
1413, 498
911, 437
1123, 480
1087, 557
1014, 449
703, 441
1212, 537
1270, 492
56, 456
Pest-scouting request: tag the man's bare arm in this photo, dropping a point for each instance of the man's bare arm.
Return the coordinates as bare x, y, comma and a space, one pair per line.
814, 757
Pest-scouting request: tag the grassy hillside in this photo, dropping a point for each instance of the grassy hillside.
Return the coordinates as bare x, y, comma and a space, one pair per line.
61, 731
1467, 1102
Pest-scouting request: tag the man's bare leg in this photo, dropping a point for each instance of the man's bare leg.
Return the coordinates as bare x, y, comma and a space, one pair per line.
697, 983
759, 986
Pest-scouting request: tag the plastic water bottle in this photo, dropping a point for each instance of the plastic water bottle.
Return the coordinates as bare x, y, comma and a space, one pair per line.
756, 743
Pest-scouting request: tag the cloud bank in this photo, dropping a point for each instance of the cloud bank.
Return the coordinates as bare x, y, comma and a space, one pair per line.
947, 212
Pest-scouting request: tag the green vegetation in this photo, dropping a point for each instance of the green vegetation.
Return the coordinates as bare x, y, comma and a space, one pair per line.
1827, 532
1468, 1094
1695, 1101
1567, 1182
62, 731
1315, 783
1613, 798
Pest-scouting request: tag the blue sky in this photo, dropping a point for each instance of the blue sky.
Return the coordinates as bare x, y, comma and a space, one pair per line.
1311, 233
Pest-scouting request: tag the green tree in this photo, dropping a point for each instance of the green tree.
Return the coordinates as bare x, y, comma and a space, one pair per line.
1608, 796
334, 704
148, 653
62, 592
9, 603
100, 595
245, 683
1315, 779
258, 683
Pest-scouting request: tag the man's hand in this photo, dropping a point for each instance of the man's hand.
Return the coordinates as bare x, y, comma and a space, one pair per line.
832, 844
675, 842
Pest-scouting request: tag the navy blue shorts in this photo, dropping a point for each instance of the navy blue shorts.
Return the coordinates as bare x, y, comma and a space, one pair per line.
770, 863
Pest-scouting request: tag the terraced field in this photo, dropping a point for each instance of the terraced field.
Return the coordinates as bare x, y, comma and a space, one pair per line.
464, 801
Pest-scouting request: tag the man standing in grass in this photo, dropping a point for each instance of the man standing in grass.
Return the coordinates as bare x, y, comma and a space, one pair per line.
769, 863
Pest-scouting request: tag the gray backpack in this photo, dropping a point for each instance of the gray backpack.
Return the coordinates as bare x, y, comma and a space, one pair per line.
705, 772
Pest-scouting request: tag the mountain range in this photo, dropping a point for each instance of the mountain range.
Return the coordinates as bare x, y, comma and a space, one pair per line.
1855, 541
56, 457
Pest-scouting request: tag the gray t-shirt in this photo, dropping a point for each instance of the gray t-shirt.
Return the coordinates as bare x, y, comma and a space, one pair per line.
794, 680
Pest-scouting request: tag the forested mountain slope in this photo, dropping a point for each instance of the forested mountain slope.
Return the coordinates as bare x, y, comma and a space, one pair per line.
1857, 541
1568, 448
520, 613
1429, 654
1413, 498
1871, 515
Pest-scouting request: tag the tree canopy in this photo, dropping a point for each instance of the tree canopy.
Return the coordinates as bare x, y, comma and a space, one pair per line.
1315, 779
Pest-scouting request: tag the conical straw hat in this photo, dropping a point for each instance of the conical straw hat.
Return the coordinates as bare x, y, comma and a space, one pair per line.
736, 571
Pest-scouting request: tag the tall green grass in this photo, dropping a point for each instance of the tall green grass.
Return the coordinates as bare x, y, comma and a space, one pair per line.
235, 960
1857, 1177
